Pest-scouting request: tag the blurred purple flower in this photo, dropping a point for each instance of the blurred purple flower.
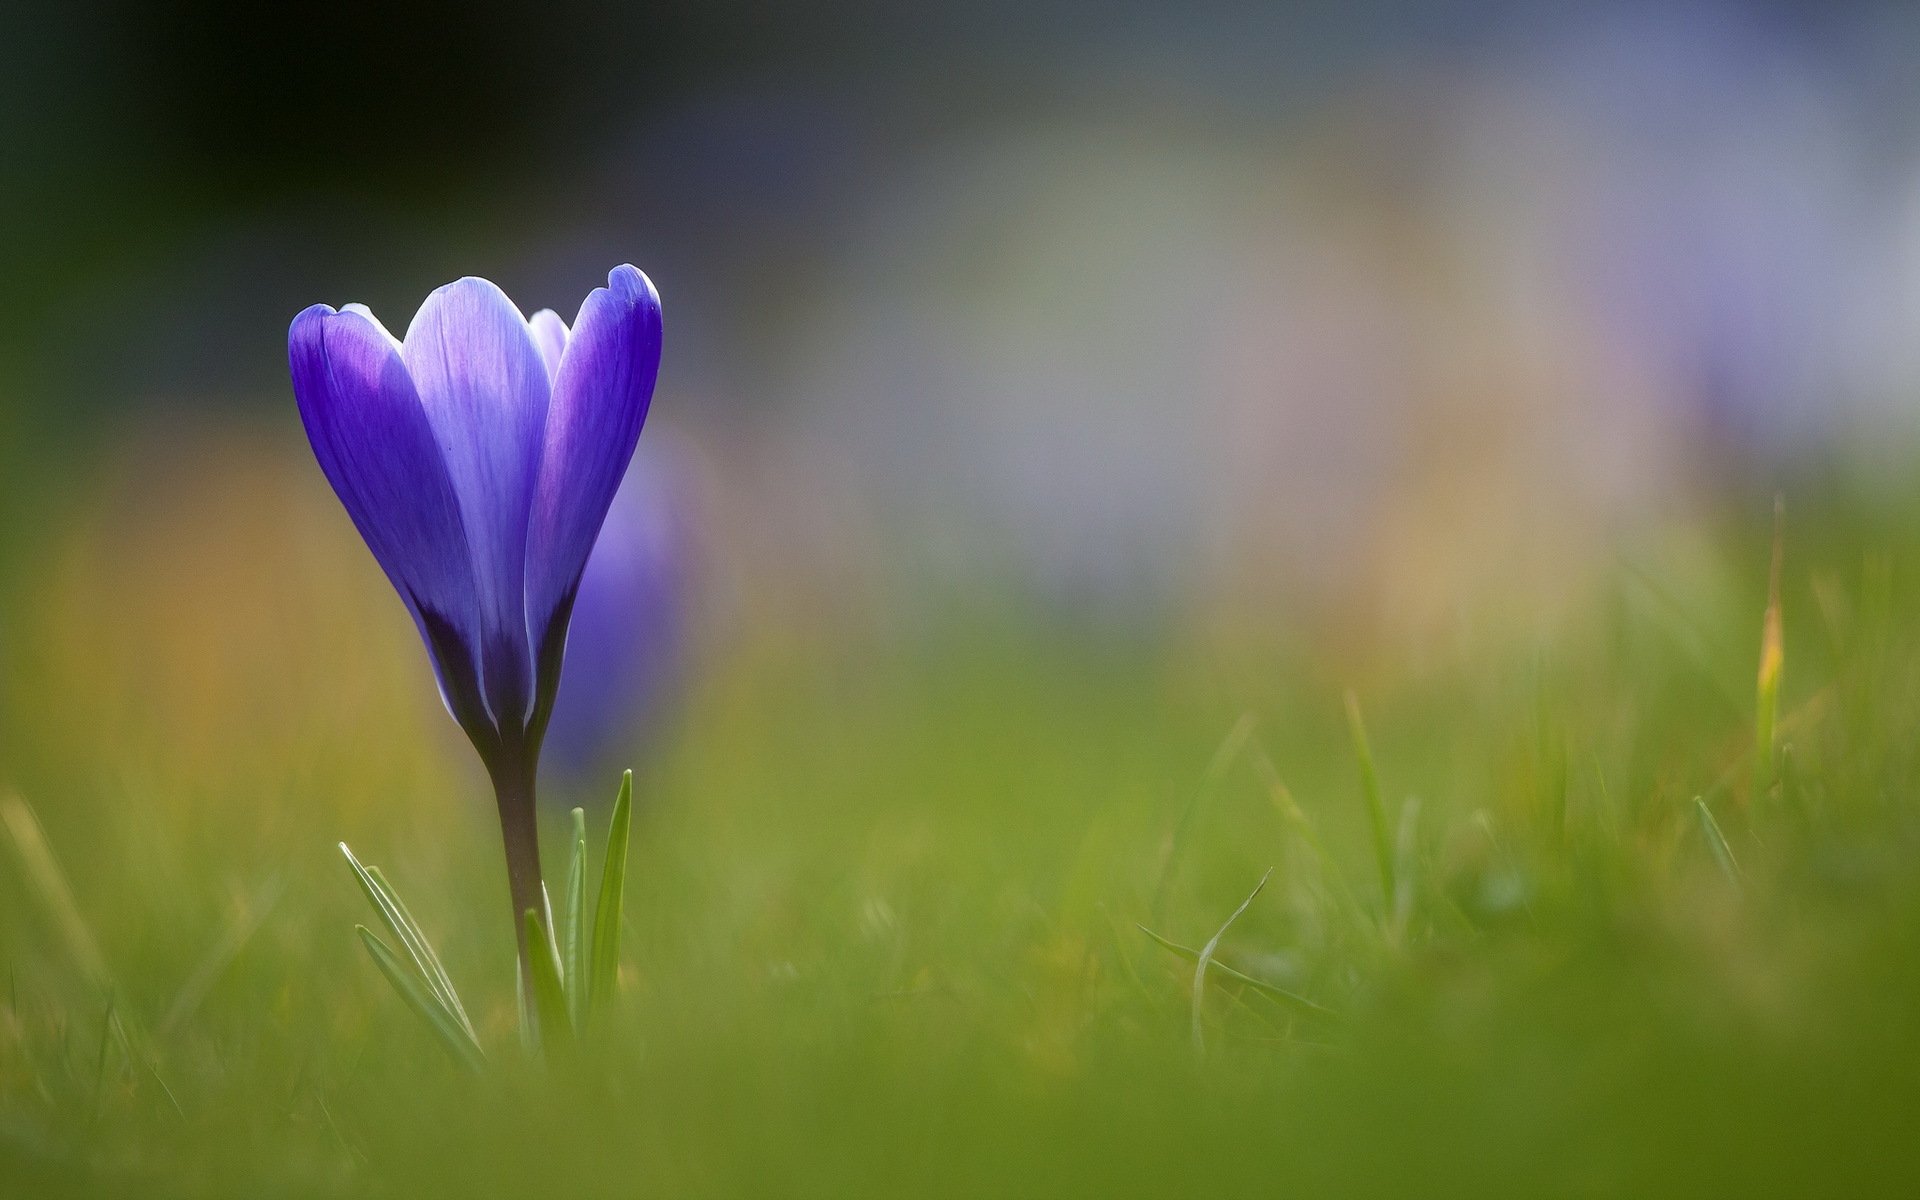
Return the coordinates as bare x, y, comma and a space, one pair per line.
478, 458
627, 644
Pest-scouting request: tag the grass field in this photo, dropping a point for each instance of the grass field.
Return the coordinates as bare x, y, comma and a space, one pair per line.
889, 891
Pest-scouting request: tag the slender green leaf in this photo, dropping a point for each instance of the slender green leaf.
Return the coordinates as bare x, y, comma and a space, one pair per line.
457, 1040
1206, 958
397, 920
529, 1036
606, 916
437, 975
1223, 969
553, 934
549, 996
49, 885
1405, 866
100, 1071
573, 942
1376, 809
1717, 841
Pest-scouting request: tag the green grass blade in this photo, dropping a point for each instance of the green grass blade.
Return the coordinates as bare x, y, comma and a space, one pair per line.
574, 933
1206, 958
1376, 809
529, 1036
1227, 971
394, 915
454, 1036
1717, 841
606, 915
100, 1069
1406, 848
49, 885
437, 977
549, 995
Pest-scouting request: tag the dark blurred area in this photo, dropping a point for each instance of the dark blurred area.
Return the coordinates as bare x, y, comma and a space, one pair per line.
181, 176
195, 171
1355, 305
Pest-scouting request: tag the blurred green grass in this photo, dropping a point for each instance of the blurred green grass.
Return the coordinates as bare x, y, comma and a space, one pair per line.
885, 892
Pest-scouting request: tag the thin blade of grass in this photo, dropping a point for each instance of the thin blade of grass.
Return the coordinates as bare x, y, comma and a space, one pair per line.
574, 933
455, 1037
1404, 848
1376, 808
1230, 972
549, 996
1717, 842
436, 974
1206, 958
397, 920
100, 1069
606, 914
49, 885
529, 1036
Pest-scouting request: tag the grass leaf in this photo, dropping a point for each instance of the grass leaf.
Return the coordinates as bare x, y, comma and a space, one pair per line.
549, 995
606, 914
436, 974
1206, 957
1227, 971
1376, 809
458, 1040
574, 932
1406, 847
1717, 841
403, 927
49, 885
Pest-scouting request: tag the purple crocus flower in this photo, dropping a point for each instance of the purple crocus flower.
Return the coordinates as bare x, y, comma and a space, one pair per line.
478, 457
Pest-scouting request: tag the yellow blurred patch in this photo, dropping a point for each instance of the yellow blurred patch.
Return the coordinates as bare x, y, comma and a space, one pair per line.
212, 626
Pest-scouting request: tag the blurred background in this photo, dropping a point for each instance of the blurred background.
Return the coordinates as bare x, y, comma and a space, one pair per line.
1345, 306
1354, 327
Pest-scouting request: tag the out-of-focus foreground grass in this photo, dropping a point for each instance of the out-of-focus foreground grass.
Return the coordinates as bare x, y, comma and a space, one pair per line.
886, 894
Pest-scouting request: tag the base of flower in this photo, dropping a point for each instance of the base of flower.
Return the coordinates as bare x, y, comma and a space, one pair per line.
566, 968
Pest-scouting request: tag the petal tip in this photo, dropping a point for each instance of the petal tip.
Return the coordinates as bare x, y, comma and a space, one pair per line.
631, 281
308, 318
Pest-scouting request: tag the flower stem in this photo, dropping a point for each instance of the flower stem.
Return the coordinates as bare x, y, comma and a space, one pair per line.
520, 832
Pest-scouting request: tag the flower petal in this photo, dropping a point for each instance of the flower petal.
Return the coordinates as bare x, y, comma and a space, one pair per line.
550, 336
600, 398
376, 447
366, 312
626, 639
485, 392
